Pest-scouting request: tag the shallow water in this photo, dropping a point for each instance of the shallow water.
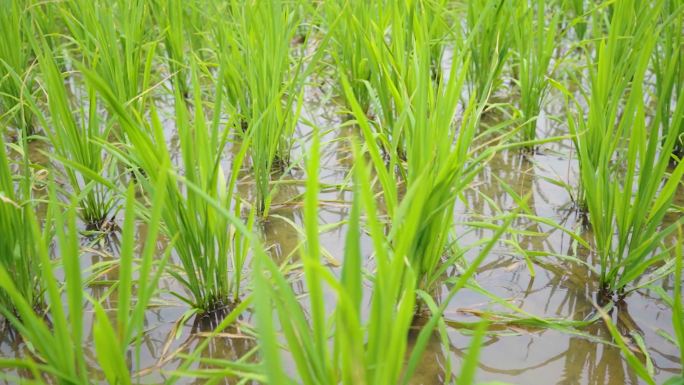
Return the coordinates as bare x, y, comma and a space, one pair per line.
511, 353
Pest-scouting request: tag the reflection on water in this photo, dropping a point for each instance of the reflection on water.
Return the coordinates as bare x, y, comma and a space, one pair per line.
279, 231
432, 367
229, 345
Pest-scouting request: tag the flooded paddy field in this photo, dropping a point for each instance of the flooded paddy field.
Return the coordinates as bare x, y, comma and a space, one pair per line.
246, 192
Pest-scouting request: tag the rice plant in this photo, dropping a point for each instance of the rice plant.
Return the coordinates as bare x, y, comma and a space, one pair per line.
74, 132
576, 9
439, 160
678, 307
388, 64
113, 41
170, 20
344, 347
16, 75
352, 25
207, 244
442, 32
262, 82
668, 65
389, 67
393, 62
58, 339
61, 350
534, 41
19, 246
366, 34
645, 371
624, 158
487, 24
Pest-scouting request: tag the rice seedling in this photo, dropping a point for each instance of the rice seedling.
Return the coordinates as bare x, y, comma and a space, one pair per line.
170, 20
645, 370
351, 25
378, 62
112, 40
19, 244
109, 38
198, 26
624, 159
207, 244
16, 80
668, 66
393, 61
389, 69
57, 338
576, 8
365, 35
441, 32
62, 347
263, 85
534, 42
341, 347
486, 23
73, 131
678, 308
439, 161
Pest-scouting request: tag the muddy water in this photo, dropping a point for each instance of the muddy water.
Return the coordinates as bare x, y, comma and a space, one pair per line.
555, 288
